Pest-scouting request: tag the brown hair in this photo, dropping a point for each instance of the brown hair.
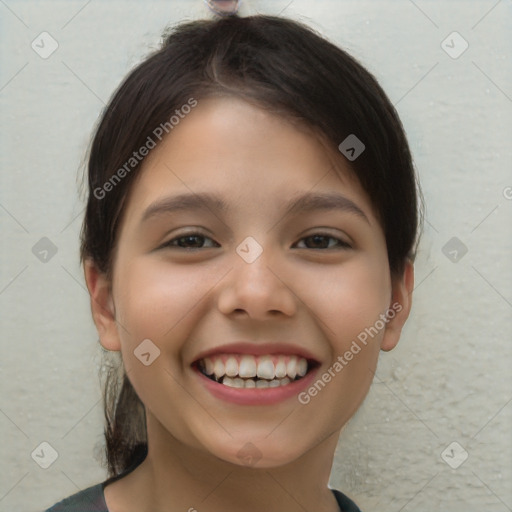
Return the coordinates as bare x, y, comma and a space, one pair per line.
278, 64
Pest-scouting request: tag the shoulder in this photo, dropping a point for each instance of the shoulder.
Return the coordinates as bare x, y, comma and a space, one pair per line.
89, 500
345, 503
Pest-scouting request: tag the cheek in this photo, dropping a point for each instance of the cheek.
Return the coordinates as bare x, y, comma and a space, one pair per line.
348, 302
349, 298
153, 298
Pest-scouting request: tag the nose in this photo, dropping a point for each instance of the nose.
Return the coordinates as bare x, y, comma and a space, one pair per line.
257, 290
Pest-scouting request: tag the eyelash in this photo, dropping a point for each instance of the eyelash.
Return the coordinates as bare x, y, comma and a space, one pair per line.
342, 244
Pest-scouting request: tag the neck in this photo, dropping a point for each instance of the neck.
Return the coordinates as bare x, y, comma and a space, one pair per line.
175, 476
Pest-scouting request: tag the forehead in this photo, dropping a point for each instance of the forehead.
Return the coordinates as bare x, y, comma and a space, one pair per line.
246, 155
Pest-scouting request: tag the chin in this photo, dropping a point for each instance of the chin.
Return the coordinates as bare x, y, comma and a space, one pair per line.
258, 454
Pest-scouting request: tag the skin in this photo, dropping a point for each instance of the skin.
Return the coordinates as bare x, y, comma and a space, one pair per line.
190, 301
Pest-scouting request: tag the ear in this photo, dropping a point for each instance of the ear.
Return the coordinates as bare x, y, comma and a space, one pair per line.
102, 306
400, 307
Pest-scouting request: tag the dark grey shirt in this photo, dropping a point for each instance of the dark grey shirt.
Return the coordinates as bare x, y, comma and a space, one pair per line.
92, 499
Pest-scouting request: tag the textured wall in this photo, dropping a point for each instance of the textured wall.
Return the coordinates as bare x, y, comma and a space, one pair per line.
448, 380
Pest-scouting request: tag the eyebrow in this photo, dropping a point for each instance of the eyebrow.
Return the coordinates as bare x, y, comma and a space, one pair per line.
304, 203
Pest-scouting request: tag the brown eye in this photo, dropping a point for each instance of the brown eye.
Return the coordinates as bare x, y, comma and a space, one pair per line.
190, 241
321, 241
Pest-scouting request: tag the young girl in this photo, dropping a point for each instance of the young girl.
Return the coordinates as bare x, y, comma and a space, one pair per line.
248, 246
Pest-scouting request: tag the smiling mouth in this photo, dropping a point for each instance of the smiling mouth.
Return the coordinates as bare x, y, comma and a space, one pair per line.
248, 371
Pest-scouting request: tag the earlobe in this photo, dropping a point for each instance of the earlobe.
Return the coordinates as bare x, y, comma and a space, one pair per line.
102, 306
400, 307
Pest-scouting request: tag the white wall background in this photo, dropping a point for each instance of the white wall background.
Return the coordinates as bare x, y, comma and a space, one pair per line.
448, 380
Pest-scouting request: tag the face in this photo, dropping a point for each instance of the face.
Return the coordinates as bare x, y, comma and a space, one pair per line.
247, 252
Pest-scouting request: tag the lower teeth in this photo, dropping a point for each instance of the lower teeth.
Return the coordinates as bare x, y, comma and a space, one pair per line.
238, 382
252, 383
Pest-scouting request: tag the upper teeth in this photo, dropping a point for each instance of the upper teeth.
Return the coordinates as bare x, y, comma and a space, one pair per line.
248, 366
